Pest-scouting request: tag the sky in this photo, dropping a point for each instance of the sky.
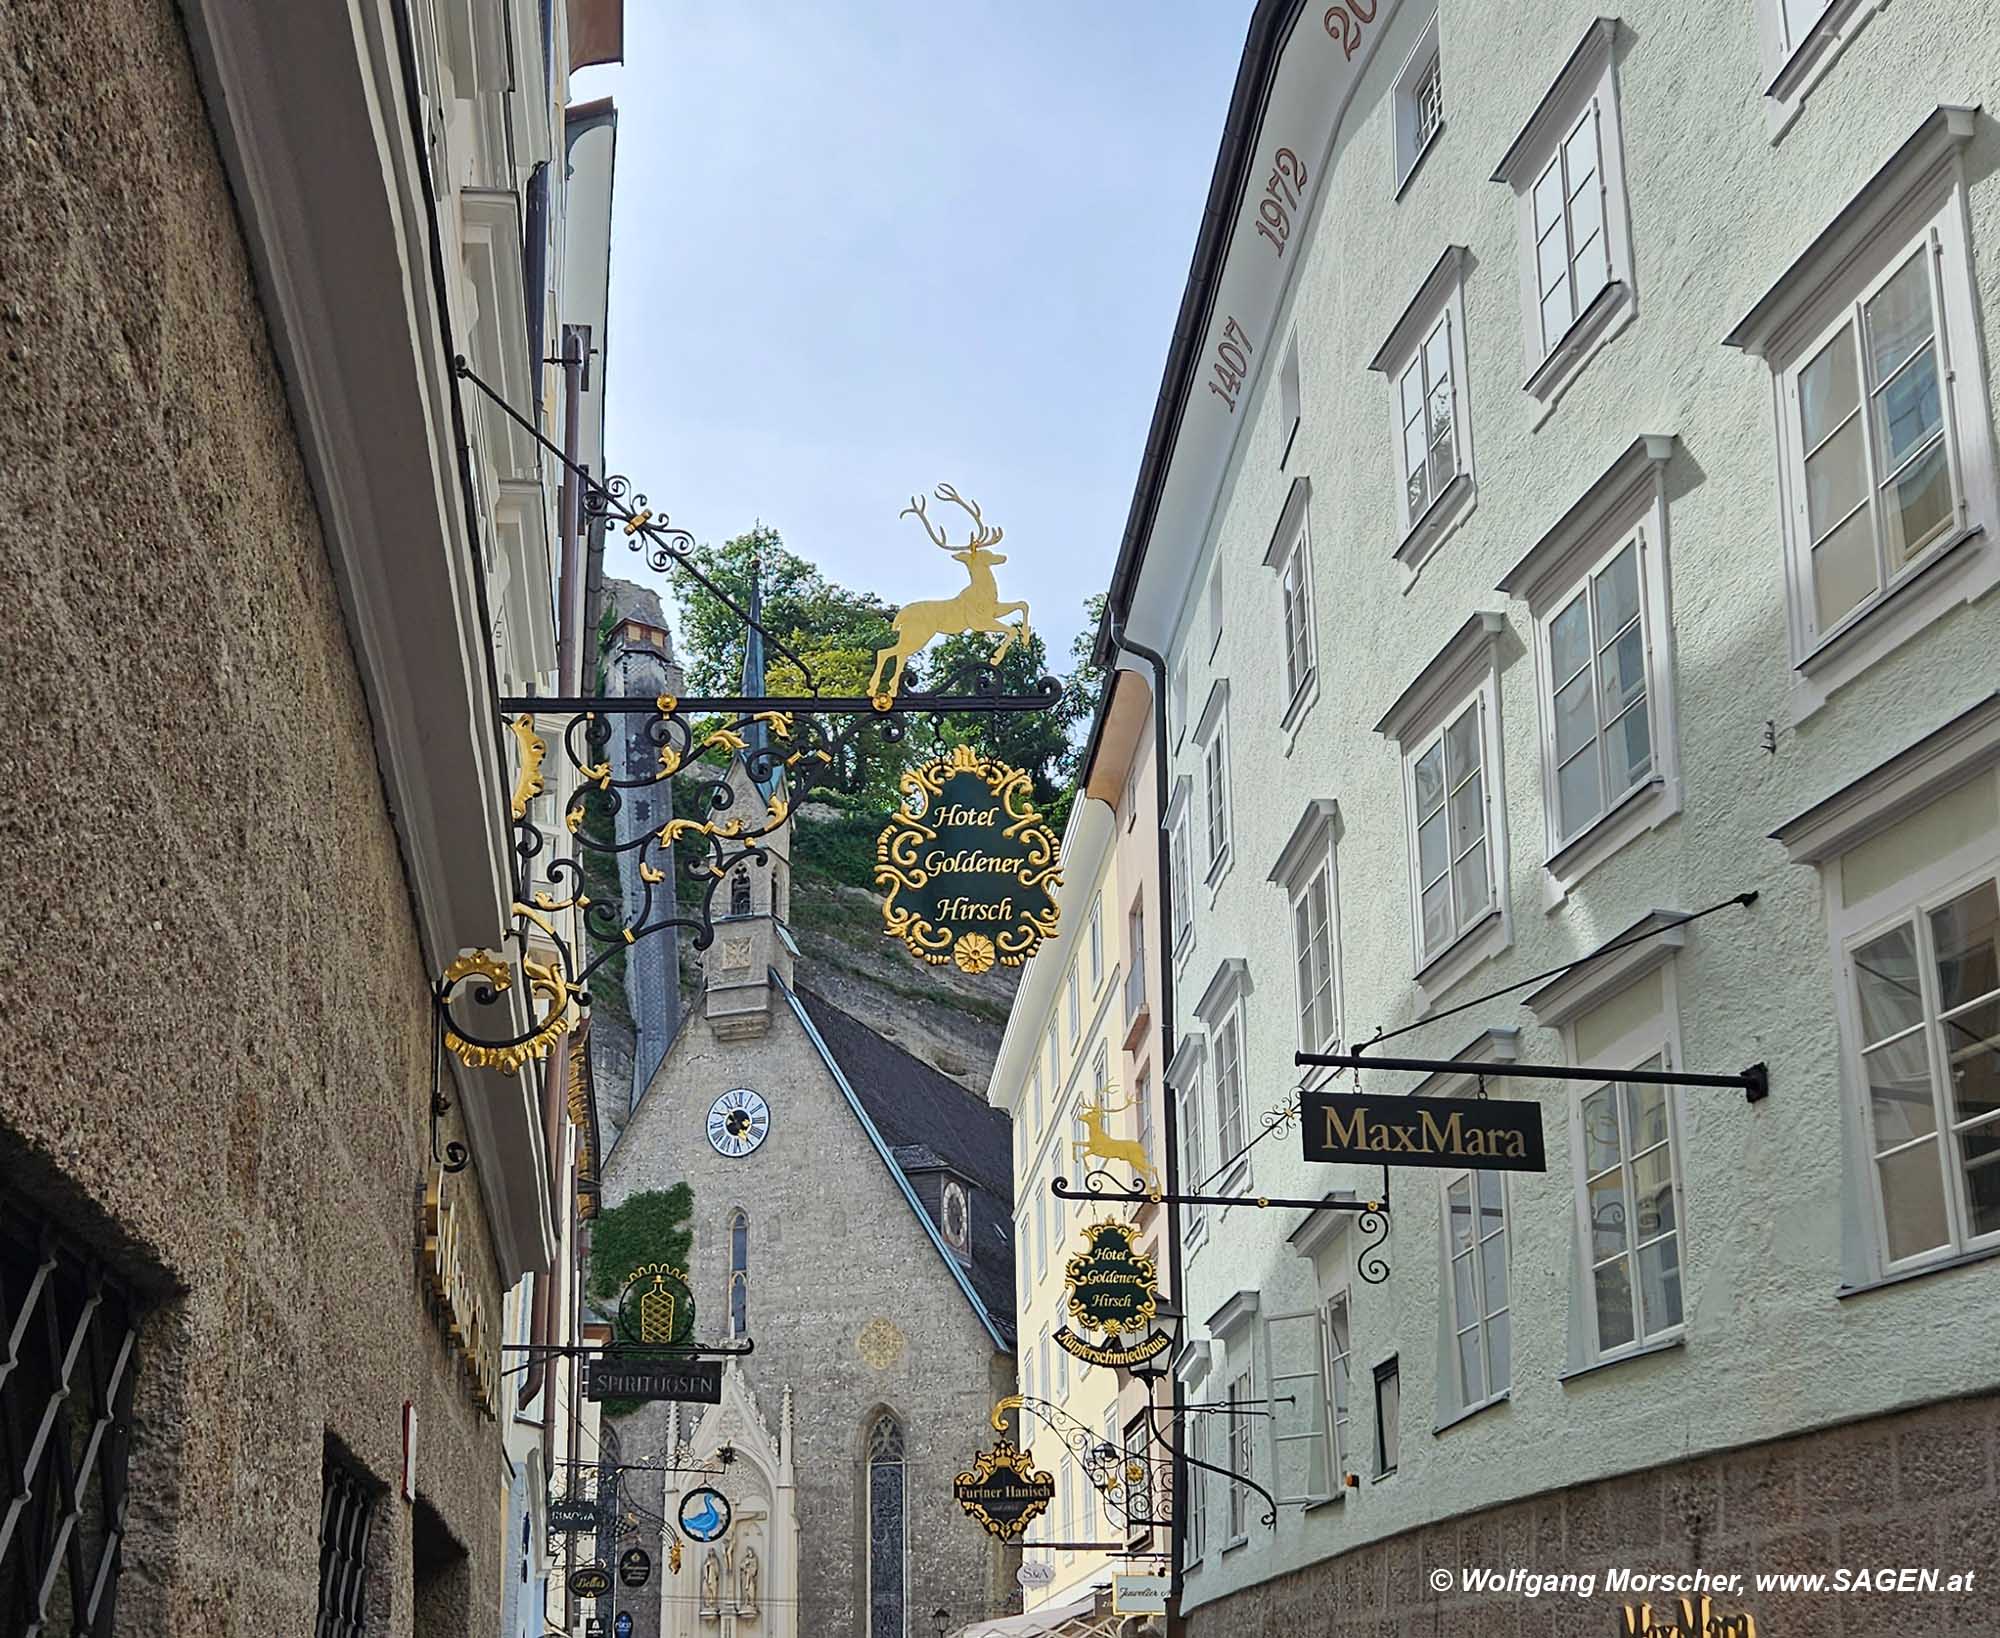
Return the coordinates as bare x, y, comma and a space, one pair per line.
864, 248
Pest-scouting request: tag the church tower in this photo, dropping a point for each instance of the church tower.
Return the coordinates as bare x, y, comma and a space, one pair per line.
751, 943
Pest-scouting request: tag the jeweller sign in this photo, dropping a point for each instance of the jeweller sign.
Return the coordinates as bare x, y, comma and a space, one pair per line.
1004, 1490
967, 865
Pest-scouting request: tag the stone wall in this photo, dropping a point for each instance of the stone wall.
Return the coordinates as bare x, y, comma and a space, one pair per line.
1917, 1489
214, 1056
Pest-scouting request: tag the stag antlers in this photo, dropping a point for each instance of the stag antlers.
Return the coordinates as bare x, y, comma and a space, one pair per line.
982, 535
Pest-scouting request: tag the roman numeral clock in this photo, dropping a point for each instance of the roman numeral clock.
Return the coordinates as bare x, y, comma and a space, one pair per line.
738, 1122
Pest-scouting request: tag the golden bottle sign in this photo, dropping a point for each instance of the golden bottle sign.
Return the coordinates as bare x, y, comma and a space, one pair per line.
967, 865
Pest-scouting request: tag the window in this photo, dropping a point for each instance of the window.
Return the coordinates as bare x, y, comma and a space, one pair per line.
1041, 1233
1388, 1416
1100, 1073
1062, 1382
1926, 993
1185, 1079
1055, 1062
1142, 1097
1312, 959
1423, 360
1135, 961
1075, 1010
346, 1517
1213, 734
1449, 847
1197, 1489
739, 893
1177, 697
1033, 1113
1290, 558
1475, 1209
1068, 1504
1240, 1453
1873, 464
1181, 890
739, 1274
1214, 610
1800, 40
1288, 397
1296, 1346
1339, 1373
65, 1406
1568, 176
1631, 1211
1419, 101
1596, 583
1096, 943
1230, 1131
887, 1535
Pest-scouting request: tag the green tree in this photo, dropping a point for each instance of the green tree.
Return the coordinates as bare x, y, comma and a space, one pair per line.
648, 1227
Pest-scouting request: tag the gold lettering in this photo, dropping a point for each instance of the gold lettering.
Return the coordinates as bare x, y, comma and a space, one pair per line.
1448, 1138
1354, 1136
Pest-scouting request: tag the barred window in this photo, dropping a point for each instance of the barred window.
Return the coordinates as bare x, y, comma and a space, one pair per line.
346, 1515
65, 1430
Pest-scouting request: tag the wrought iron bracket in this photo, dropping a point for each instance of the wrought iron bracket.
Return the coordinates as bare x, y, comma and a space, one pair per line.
1754, 1082
1108, 1467
1371, 1216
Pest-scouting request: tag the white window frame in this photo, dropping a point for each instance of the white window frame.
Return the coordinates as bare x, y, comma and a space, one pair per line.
1483, 707
1180, 871
1232, 1098
1289, 557
1308, 1391
1656, 1037
1480, 1321
1438, 306
1627, 504
1222, 1012
1412, 141
1054, 1049
1585, 93
1795, 58
1216, 594
1096, 943
1196, 1542
1177, 697
1340, 1423
1240, 1445
1073, 1002
1289, 409
1919, 195
1218, 826
1308, 857
1185, 1078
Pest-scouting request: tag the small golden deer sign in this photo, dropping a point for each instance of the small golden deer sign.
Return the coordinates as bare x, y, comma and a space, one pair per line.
1101, 1145
977, 608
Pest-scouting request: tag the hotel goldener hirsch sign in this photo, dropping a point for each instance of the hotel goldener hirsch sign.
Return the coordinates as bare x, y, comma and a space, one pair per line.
1114, 1288
968, 865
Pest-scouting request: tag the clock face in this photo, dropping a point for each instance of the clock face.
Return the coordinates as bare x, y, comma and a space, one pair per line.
738, 1122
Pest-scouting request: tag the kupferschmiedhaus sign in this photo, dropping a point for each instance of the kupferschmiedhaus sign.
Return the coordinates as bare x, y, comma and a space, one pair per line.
1494, 1134
968, 865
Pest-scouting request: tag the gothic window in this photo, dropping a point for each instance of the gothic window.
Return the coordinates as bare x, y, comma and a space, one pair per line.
739, 1274
886, 1529
739, 893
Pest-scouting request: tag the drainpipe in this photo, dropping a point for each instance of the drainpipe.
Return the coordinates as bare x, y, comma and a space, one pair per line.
1170, 1114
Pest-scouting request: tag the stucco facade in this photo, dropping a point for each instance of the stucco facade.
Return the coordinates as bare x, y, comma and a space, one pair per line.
1769, 707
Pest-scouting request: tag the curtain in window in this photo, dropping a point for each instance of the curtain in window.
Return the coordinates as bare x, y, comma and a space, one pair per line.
886, 1529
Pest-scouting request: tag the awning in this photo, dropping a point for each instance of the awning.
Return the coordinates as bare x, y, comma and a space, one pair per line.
1077, 1620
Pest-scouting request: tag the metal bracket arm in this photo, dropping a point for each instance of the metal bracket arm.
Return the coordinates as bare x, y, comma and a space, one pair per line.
1754, 1082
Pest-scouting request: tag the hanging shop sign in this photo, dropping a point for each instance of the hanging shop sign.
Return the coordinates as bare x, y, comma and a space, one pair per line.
1004, 1490
1113, 1286
656, 1307
1138, 1595
456, 1298
589, 1581
1035, 1573
635, 1566
967, 865
617, 1376
1122, 1358
623, 1625
569, 1517
704, 1514
1493, 1134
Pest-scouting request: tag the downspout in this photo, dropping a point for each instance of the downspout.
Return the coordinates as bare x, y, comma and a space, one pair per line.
1170, 1113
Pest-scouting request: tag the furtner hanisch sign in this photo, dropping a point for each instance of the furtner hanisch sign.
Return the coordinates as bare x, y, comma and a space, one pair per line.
1492, 1134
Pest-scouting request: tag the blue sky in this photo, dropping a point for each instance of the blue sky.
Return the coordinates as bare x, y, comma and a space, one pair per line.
861, 248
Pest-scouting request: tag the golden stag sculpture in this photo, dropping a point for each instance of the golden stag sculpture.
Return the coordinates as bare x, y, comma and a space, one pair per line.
977, 608
1101, 1145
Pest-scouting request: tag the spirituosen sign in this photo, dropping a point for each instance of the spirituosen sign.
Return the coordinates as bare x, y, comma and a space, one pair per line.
967, 865
1492, 1134
1004, 1491
1113, 1286
628, 1376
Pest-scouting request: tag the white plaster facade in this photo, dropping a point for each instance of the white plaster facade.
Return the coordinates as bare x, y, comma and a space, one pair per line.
1639, 428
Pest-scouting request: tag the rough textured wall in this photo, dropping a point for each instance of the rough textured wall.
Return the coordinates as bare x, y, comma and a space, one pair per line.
833, 1245
1717, 213
1917, 1489
214, 1056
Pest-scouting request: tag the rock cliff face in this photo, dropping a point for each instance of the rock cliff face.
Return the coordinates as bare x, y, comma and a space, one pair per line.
947, 1018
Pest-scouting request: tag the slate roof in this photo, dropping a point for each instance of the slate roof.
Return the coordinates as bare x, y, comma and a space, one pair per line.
916, 1108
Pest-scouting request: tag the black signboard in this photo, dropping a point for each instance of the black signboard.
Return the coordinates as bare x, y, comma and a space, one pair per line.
1004, 1490
572, 1516
614, 1376
969, 872
1488, 1134
590, 1581
1113, 1286
635, 1566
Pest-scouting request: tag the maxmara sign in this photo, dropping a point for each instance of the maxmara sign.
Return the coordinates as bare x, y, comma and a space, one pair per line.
1494, 1134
